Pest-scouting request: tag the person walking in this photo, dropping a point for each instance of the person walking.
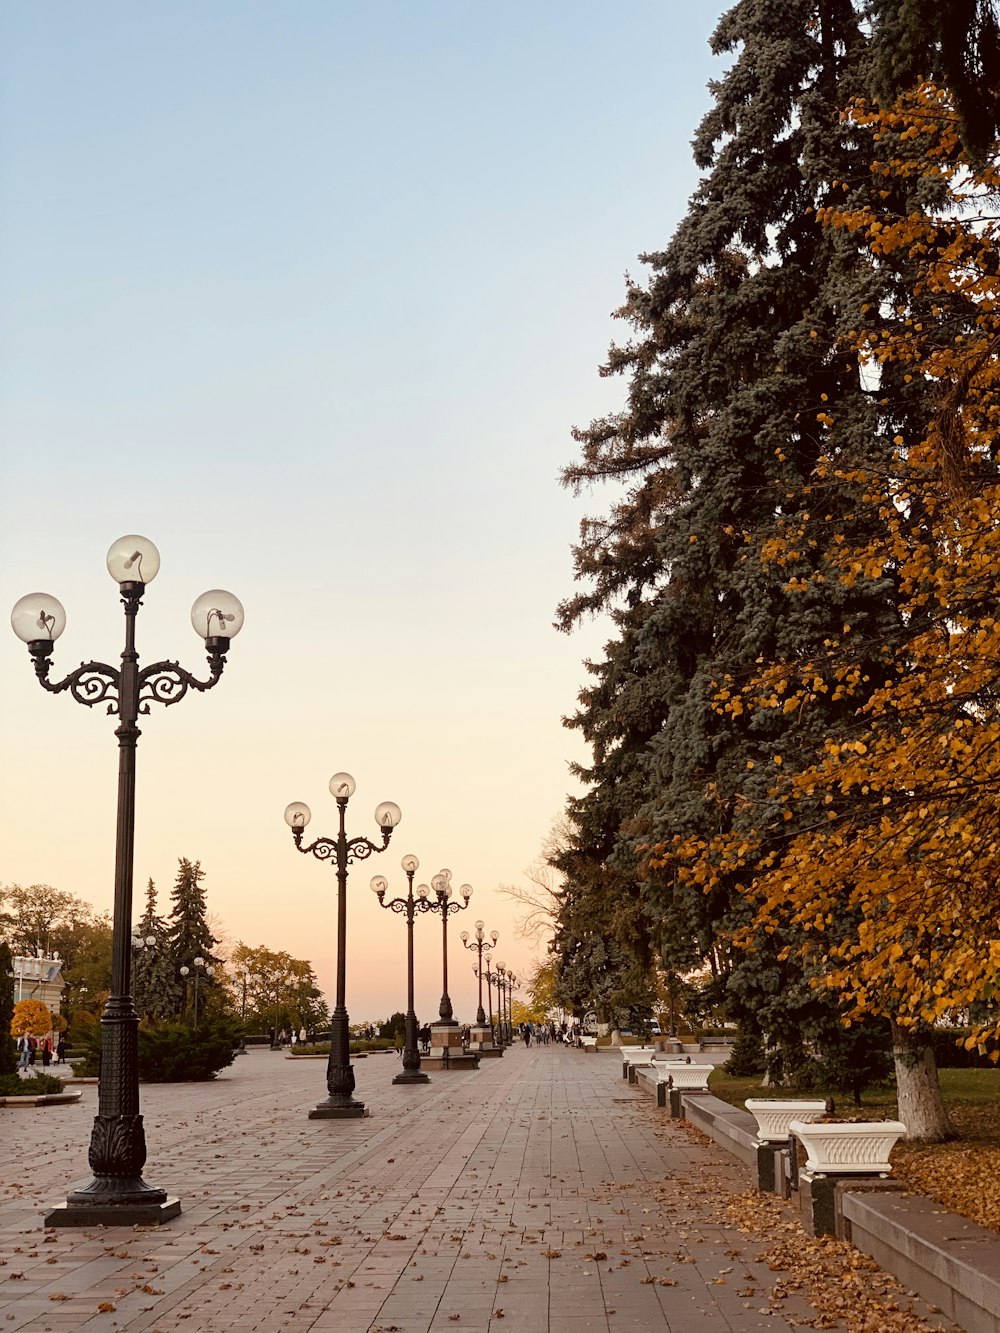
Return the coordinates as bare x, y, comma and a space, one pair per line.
23, 1052
46, 1051
61, 1049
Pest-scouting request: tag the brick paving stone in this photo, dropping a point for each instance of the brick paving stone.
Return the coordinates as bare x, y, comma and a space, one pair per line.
537, 1195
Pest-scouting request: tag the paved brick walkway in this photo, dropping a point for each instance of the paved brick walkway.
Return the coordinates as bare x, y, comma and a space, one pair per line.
538, 1195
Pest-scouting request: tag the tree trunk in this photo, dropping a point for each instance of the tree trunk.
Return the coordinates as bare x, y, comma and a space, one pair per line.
921, 1108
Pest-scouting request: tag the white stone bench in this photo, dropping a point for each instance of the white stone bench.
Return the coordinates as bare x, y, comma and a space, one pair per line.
587, 1043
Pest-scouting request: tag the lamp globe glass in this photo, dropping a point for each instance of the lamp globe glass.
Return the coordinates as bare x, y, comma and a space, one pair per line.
38, 617
133, 559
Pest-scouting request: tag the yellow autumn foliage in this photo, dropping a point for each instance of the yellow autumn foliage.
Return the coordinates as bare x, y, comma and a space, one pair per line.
889, 864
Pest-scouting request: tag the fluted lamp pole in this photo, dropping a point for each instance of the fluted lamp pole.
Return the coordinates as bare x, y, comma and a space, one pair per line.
411, 1071
341, 1104
117, 1195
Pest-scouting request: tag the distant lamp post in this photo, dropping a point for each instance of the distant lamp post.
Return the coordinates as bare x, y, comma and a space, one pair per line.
491, 979
481, 1034
244, 975
200, 967
512, 985
118, 1195
441, 884
140, 945
279, 986
481, 946
508, 984
447, 1050
411, 1071
341, 1103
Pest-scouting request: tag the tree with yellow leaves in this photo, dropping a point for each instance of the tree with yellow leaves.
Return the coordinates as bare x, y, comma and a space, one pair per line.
888, 875
31, 1018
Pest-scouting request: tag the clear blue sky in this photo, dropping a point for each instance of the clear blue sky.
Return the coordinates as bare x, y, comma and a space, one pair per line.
312, 295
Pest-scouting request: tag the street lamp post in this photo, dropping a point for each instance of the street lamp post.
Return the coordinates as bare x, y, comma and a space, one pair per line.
501, 974
118, 1195
341, 1103
244, 975
199, 967
140, 945
508, 984
481, 1037
447, 1051
491, 978
279, 985
411, 1071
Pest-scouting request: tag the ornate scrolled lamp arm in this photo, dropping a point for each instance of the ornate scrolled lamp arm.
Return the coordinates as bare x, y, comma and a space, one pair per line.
39, 619
298, 815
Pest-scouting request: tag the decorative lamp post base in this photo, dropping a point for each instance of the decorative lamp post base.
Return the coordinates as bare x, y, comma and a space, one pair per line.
481, 1042
338, 1111
118, 1203
447, 1051
411, 1076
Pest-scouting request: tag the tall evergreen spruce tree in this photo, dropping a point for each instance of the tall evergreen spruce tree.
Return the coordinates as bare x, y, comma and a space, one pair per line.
156, 984
188, 934
954, 42
8, 1059
738, 390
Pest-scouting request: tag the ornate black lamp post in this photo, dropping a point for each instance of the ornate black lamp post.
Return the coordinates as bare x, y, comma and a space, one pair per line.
479, 944
118, 1195
411, 1071
341, 851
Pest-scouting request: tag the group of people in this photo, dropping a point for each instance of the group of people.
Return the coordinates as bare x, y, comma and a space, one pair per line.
543, 1033
30, 1049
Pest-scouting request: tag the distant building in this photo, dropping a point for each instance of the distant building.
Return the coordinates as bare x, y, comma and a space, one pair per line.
39, 978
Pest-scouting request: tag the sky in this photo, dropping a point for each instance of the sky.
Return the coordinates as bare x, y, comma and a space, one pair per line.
312, 296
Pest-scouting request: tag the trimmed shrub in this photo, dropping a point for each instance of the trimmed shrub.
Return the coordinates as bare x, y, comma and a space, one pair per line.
747, 1056
174, 1052
359, 1047
37, 1085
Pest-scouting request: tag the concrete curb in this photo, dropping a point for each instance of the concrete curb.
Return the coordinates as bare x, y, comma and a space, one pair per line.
45, 1099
